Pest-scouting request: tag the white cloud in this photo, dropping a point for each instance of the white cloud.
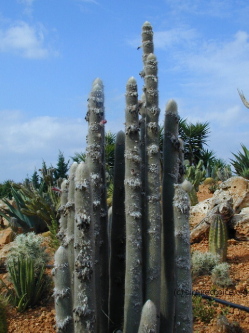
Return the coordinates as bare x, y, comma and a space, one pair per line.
212, 8
177, 36
25, 40
230, 116
25, 143
213, 68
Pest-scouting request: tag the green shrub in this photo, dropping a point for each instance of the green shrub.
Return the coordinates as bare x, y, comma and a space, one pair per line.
241, 162
26, 271
53, 230
220, 275
203, 263
203, 309
29, 287
29, 246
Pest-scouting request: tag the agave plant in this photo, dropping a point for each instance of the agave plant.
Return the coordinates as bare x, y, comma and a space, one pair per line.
241, 162
16, 217
32, 208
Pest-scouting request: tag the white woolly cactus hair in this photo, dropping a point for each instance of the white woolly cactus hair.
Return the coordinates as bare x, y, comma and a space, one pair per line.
171, 107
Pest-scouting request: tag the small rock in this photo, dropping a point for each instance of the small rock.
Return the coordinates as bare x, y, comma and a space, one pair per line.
6, 236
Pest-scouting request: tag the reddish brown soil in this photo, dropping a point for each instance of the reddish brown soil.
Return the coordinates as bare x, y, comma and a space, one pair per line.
238, 258
41, 319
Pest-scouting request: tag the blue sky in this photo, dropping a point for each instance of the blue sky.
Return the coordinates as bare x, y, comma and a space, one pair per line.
51, 51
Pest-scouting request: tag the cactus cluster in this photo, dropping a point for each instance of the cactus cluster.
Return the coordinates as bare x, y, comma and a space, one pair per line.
126, 270
195, 174
218, 237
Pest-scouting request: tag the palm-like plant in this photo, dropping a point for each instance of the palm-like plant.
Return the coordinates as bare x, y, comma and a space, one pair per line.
241, 162
79, 157
195, 138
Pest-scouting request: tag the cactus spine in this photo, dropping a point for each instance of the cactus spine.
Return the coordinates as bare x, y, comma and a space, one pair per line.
218, 237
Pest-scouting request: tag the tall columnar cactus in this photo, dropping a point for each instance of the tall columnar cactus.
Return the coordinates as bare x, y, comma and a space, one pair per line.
183, 286
147, 257
95, 161
133, 275
117, 239
152, 205
170, 177
62, 292
69, 212
218, 237
84, 277
63, 217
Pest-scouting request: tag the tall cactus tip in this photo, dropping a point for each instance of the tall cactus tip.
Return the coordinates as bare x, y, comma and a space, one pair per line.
97, 81
146, 24
149, 305
79, 171
97, 84
132, 80
73, 167
60, 255
171, 107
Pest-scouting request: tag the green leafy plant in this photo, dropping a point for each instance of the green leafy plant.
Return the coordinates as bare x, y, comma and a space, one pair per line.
220, 170
221, 276
15, 216
241, 162
203, 263
195, 138
5, 189
33, 208
25, 264
29, 285
203, 310
53, 228
195, 174
40, 202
